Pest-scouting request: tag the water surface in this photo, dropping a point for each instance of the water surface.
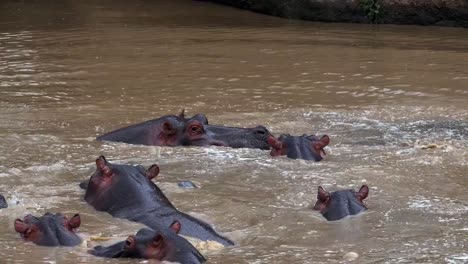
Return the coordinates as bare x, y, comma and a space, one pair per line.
71, 70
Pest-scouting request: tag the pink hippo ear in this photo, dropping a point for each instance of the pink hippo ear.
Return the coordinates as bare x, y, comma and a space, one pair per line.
103, 166
152, 172
74, 222
158, 241
20, 226
277, 147
320, 144
168, 129
322, 195
363, 192
176, 226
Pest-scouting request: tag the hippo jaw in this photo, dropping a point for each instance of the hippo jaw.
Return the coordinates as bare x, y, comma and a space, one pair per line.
49, 230
299, 147
337, 205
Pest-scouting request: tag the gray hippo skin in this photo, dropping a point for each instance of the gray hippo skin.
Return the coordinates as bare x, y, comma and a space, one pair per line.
3, 202
337, 205
162, 245
171, 130
50, 229
299, 147
164, 131
126, 191
198, 134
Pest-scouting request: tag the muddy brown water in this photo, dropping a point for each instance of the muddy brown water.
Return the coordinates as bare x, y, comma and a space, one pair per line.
71, 70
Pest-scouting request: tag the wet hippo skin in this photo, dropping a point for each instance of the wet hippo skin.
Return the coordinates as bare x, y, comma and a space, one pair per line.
172, 130
49, 229
339, 204
299, 147
160, 244
126, 191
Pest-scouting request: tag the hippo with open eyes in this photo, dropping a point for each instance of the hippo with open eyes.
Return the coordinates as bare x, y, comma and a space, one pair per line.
176, 130
159, 244
50, 229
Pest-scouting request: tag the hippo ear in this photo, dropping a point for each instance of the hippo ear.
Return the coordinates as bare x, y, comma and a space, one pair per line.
176, 226
182, 113
74, 222
275, 143
321, 143
20, 226
158, 241
152, 172
130, 243
103, 166
363, 192
168, 129
322, 195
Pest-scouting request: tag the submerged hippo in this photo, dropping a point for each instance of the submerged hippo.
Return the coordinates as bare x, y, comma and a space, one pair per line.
127, 191
337, 205
3, 202
172, 130
199, 134
164, 131
299, 147
50, 229
162, 245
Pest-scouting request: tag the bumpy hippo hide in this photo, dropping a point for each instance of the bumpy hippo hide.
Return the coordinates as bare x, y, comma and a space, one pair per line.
162, 245
126, 191
299, 147
337, 205
50, 229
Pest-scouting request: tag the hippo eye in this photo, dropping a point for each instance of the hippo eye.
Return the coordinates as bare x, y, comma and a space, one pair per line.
195, 129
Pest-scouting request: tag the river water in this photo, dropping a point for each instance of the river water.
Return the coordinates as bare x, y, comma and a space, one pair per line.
71, 70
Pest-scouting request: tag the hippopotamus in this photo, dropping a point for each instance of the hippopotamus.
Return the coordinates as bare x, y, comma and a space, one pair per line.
162, 245
299, 147
164, 131
172, 130
50, 229
337, 205
3, 202
199, 134
126, 191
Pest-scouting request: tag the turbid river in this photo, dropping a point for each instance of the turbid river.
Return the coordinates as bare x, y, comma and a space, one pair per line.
71, 70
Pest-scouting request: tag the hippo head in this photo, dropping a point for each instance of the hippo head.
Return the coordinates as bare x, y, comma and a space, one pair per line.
337, 205
113, 186
299, 147
162, 245
49, 230
3, 202
164, 131
201, 134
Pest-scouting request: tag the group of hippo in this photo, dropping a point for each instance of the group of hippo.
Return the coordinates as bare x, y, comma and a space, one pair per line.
128, 192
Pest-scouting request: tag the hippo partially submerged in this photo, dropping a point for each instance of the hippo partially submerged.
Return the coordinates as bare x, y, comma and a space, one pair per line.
49, 229
3, 202
127, 191
299, 147
172, 130
337, 205
162, 245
